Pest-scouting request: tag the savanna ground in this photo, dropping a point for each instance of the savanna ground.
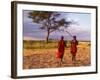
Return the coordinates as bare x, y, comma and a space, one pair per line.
39, 54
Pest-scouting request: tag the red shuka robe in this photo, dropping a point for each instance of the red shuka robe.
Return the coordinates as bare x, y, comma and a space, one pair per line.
61, 48
74, 44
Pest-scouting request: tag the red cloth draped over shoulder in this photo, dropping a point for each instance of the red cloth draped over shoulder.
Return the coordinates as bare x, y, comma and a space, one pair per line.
74, 44
61, 48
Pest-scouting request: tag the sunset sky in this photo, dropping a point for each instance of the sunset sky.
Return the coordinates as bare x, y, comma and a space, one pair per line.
82, 29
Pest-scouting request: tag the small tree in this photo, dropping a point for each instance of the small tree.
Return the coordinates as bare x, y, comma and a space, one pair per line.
50, 21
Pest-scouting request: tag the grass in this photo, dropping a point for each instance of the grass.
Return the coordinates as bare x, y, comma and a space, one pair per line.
39, 54
40, 44
50, 45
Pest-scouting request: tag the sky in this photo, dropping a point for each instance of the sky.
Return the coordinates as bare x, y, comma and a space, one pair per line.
82, 28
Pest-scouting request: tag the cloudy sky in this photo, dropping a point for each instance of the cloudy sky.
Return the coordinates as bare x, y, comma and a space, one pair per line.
82, 29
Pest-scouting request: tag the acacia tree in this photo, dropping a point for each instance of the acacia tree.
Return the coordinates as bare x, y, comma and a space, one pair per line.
50, 21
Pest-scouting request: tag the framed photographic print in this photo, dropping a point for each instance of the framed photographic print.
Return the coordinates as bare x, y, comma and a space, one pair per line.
53, 39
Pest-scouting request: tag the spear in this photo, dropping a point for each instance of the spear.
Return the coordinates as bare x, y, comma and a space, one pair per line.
67, 32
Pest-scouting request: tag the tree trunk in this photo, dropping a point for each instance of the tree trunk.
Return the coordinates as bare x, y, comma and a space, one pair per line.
47, 37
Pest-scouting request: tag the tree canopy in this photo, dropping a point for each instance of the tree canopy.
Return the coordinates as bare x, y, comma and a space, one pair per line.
50, 21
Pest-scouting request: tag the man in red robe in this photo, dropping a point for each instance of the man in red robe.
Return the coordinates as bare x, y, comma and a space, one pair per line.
61, 49
74, 44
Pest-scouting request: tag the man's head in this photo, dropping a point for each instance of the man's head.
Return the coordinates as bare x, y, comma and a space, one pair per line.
62, 37
74, 37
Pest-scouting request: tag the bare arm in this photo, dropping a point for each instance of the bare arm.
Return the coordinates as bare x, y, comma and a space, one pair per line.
65, 44
76, 42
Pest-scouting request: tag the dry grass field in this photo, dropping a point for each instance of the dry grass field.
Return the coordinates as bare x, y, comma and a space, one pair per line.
38, 54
